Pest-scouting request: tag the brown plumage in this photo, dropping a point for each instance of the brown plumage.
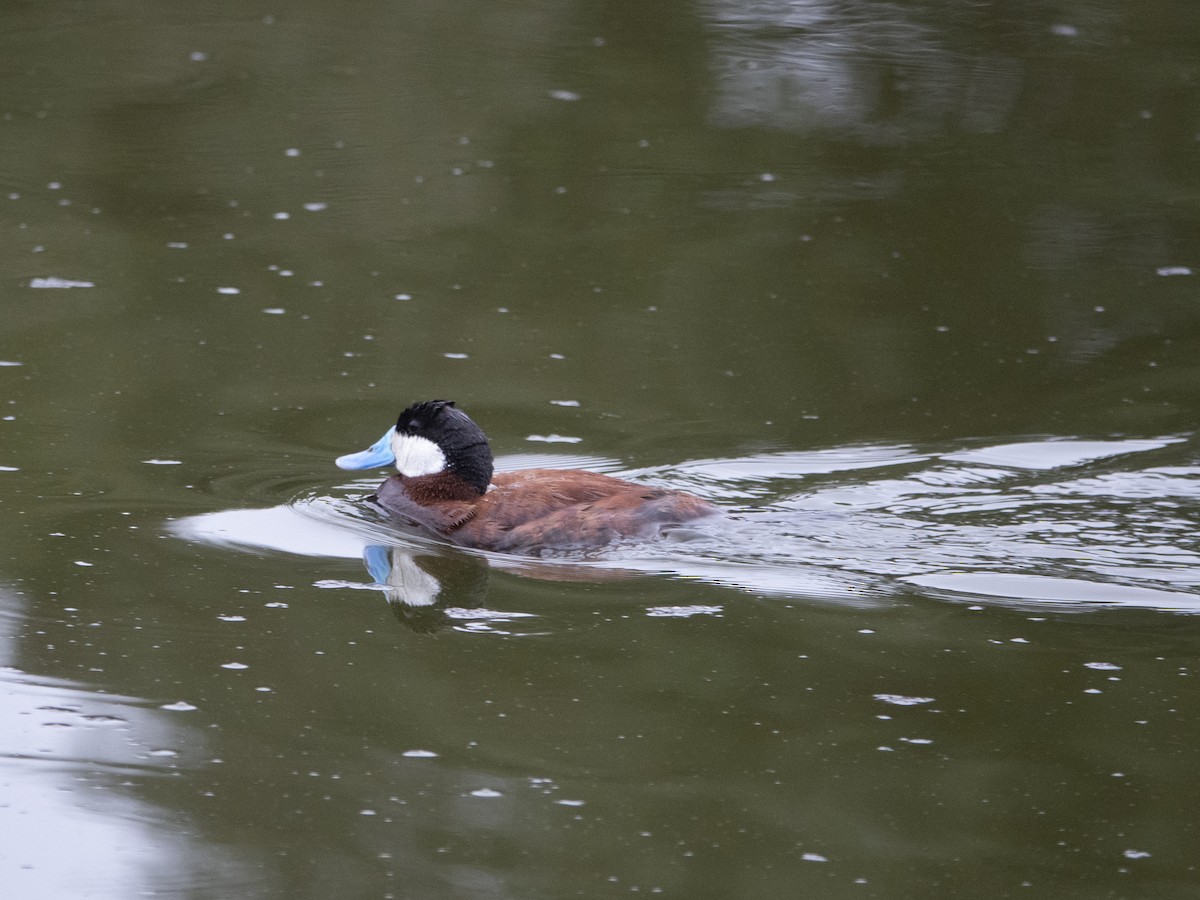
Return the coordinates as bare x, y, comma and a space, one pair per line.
536, 509
445, 485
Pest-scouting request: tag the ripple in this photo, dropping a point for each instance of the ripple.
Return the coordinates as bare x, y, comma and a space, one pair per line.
1055, 454
513, 461
1059, 522
1039, 589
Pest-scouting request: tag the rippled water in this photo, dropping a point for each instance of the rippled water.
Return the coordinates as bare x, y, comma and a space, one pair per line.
1065, 523
909, 289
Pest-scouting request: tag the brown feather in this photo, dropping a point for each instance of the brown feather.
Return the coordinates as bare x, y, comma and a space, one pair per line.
535, 509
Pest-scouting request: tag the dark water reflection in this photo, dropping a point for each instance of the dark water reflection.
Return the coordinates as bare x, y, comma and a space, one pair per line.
909, 288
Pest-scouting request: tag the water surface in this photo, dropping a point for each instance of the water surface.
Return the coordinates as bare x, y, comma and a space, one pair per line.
909, 289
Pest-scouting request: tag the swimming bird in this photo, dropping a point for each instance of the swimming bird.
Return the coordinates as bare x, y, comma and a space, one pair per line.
444, 484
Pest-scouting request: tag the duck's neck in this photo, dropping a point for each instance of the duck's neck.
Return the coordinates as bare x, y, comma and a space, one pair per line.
427, 489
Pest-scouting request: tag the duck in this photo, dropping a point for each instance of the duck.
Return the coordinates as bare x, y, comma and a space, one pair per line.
445, 484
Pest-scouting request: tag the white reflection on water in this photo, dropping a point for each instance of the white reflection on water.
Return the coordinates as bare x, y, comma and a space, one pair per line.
874, 70
70, 824
1041, 588
1042, 522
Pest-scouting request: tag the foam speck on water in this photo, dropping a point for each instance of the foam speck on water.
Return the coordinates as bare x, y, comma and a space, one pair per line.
683, 612
54, 282
902, 699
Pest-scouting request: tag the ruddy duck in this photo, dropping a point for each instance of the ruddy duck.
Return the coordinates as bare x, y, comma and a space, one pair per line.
445, 484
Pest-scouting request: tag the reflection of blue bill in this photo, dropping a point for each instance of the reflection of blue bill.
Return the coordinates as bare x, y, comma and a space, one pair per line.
402, 577
379, 562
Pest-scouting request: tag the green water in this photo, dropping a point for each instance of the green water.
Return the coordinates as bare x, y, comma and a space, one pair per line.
912, 289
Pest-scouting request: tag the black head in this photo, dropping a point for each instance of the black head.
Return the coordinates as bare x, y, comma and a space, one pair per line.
463, 443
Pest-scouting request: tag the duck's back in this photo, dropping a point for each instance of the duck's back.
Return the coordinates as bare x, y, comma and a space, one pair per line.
556, 508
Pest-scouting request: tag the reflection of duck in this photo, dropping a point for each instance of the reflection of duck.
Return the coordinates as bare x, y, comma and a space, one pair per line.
445, 484
418, 585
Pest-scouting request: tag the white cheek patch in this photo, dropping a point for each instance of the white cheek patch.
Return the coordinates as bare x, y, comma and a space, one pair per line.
417, 456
